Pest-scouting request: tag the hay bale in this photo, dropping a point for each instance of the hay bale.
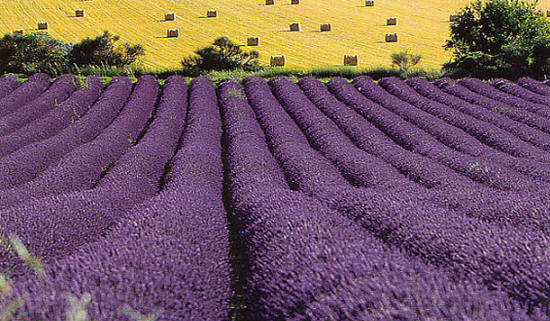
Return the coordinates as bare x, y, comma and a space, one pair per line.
325, 27
253, 41
42, 26
350, 60
211, 13
391, 37
294, 1
277, 61
369, 3
79, 13
173, 33
169, 16
295, 27
453, 17
391, 21
269, 2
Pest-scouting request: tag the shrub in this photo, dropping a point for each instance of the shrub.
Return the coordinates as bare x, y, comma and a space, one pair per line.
404, 60
103, 51
31, 53
505, 38
223, 54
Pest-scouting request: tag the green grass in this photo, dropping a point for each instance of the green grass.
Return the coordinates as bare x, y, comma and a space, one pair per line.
323, 74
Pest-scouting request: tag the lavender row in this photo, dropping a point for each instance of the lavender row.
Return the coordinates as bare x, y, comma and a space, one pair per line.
248, 159
359, 167
330, 259
141, 168
473, 200
415, 139
514, 89
523, 131
454, 191
457, 243
366, 136
492, 136
8, 84
61, 116
507, 95
25, 93
284, 137
451, 87
82, 167
60, 90
535, 165
89, 213
181, 232
26, 163
534, 86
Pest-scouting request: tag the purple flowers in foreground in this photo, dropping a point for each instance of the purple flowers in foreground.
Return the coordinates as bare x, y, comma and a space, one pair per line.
271, 200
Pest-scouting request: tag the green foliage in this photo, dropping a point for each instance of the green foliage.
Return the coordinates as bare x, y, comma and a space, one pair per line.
223, 54
103, 51
404, 60
506, 38
31, 53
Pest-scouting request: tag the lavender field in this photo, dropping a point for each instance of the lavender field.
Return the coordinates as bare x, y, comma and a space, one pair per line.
274, 200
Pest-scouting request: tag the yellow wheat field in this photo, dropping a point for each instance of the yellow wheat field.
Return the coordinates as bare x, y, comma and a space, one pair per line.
423, 26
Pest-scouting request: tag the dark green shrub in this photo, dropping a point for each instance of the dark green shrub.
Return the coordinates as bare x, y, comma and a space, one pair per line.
30, 53
103, 51
223, 54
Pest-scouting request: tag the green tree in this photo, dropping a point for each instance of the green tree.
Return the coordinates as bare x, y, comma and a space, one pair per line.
30, 53
500, 38
104, 51
223, 54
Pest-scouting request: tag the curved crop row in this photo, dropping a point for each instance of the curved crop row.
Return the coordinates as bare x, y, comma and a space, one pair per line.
25, 93
359, 167
57, 225
453, 88
534, 86
415, 139
181, 232
284, 138
26, 163
495, 138
514, 89
8, 84
248, 160
366, 136
140, 169
58, 92
61, 116
507, 95
266, 213
65, 175
534, 164
523, 131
